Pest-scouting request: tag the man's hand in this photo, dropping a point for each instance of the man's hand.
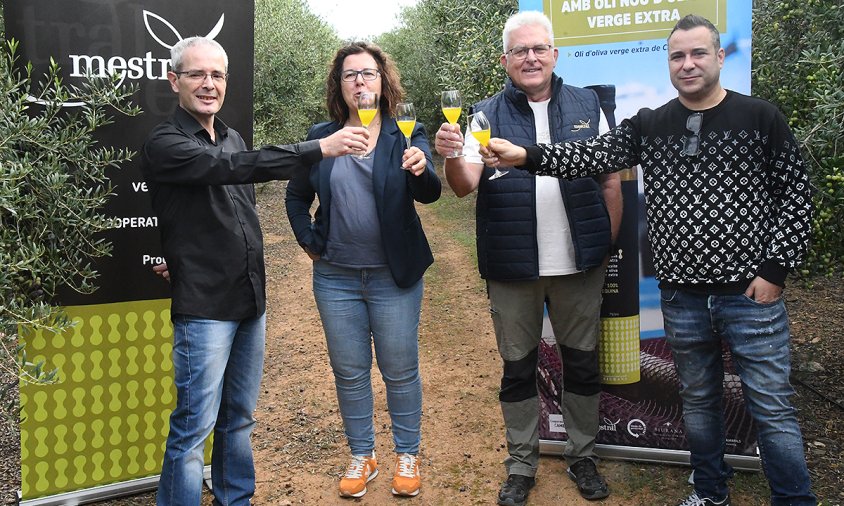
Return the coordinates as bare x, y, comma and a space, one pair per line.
161, 270
763, 291
449, 139
414, 161
345, 142
502, 152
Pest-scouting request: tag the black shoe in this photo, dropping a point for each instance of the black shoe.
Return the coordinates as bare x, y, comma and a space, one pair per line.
515, 490
589, 482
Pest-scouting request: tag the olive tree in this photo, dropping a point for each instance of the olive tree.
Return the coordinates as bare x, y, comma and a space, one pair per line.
449, 45
53, 186
798, 63
292, 51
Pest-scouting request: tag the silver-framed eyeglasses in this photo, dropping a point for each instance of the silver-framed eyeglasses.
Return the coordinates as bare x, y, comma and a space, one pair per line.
691, 144
521, 52
367, 75
199, 75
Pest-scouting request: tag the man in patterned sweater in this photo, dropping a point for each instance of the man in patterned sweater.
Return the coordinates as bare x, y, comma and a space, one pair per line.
729, 213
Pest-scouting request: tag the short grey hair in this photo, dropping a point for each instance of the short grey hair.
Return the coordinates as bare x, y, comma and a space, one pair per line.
178, 50
526, 18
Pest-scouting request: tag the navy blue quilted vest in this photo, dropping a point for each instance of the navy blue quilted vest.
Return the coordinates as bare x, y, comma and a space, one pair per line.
506, 216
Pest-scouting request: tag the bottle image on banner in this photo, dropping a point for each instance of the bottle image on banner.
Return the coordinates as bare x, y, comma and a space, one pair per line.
619, 340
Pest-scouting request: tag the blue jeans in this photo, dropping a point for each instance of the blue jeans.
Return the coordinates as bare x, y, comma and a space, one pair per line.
359, 307
218, 367
758, 337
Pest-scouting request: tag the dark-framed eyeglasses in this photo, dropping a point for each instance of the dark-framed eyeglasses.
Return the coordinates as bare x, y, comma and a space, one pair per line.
691, 144
367, 75
521, 52
199, 75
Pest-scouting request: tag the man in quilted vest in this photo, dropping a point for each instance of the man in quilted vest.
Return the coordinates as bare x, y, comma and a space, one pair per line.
541, 242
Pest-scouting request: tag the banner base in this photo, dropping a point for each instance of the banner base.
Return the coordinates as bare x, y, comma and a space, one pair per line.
651, 455
104, 492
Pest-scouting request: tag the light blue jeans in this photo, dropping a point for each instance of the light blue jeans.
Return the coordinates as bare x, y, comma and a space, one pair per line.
218, 367
359, 307
758, 337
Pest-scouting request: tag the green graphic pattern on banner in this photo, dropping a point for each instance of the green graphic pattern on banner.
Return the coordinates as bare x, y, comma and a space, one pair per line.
619, 350
107, 418
580, 22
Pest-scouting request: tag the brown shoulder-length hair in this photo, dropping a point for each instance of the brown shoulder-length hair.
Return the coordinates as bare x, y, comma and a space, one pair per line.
391, 89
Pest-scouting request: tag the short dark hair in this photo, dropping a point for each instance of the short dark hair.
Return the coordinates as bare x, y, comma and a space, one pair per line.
693, 21
391, 88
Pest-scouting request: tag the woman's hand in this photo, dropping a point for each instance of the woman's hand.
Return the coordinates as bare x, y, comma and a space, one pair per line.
414, 161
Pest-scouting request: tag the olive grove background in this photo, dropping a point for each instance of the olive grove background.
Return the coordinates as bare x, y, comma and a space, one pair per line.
798, 58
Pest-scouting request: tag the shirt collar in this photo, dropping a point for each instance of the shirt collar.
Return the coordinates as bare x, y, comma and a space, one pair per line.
189, 123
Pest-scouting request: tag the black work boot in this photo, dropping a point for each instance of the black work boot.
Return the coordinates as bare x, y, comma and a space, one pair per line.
515, 490
589, 483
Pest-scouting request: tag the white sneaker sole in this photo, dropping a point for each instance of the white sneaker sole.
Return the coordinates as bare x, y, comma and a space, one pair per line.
406, 494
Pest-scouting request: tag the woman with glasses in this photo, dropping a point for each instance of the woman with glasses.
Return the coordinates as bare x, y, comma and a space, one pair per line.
369, 253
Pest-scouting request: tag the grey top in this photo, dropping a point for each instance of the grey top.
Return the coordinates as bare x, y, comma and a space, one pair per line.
354, 238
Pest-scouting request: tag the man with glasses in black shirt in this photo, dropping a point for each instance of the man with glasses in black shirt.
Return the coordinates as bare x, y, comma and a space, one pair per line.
201, 177
729, 209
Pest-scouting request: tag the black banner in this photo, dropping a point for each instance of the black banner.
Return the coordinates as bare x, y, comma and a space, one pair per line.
132, 39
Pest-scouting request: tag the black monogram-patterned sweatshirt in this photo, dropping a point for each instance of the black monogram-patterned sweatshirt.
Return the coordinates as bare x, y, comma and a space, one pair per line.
727, 198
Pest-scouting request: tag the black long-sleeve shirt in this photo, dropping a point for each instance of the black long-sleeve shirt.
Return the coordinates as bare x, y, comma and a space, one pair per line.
739, 208
202, 192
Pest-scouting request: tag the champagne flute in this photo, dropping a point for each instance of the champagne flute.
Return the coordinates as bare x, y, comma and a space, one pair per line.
479, 128
406, 119
367, 108
452, 106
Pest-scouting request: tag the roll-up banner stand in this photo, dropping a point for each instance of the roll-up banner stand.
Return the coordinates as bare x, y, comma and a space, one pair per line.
99, 432
618, 48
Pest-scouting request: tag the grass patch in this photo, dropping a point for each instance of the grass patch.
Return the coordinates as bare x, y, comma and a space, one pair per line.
457, 213
661, 483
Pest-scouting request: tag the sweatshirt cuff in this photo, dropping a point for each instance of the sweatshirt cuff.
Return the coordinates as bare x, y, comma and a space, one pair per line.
533, 159
773, 272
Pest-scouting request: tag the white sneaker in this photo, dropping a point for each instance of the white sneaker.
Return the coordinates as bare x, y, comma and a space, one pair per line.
695, 500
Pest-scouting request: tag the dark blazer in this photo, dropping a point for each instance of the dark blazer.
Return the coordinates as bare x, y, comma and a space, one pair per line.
406, 247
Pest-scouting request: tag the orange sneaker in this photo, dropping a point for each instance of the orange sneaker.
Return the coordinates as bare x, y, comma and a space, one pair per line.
361, 471
406, 481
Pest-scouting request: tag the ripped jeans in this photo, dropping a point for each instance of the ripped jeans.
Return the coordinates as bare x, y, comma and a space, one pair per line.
758, 337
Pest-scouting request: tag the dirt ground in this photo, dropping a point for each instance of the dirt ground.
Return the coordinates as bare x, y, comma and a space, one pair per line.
300, 449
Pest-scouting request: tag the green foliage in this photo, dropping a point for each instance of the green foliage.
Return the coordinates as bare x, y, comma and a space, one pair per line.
53, 184
798, 64
444, 45
292, 51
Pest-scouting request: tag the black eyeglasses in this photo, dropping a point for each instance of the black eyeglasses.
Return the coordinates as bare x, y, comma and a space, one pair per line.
691, 144
521, 52
367, 75
198, 75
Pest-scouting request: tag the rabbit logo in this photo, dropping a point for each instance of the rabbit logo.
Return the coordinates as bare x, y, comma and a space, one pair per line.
171, 33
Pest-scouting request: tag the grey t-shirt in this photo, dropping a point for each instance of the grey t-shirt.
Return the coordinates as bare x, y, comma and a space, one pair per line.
354, 236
